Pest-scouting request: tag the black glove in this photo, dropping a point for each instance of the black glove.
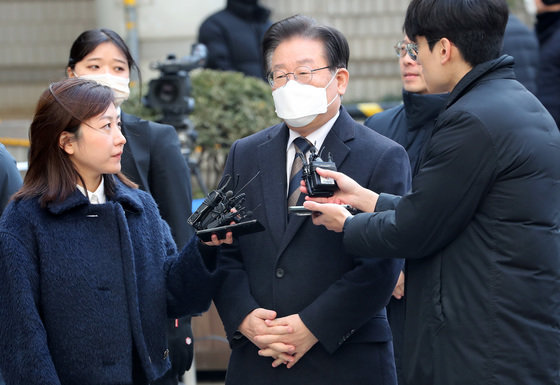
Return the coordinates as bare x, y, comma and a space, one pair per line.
181, 350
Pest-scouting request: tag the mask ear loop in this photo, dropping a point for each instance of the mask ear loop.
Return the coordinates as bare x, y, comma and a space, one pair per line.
332, 78
328, 84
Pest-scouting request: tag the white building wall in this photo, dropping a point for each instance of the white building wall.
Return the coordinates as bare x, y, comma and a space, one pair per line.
372, 27
35, 39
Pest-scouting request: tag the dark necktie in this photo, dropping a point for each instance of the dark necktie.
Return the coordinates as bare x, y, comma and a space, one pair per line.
301, 145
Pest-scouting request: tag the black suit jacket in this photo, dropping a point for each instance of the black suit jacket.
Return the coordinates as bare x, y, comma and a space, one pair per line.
301, 268
152, 158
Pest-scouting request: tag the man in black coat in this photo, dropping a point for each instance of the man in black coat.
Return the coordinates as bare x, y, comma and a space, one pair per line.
481, 226
233, 37
296, 308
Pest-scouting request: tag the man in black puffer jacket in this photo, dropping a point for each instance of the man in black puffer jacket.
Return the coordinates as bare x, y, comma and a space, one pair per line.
233, 37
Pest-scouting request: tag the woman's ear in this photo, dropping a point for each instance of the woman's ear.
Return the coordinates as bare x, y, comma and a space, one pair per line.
70, 72
66, 142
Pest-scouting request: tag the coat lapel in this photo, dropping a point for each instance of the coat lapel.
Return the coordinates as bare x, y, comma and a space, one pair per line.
271, 156
335, 142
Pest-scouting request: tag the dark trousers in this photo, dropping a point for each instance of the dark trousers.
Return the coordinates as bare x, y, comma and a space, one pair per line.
396, 317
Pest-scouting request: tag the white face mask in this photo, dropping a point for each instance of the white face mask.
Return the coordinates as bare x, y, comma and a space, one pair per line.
298, 104
118, 84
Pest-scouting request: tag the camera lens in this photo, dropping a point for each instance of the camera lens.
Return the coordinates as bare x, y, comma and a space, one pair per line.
167, 92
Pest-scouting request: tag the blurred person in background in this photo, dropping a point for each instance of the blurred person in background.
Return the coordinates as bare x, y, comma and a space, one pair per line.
10, 178
10, 182
233, 37
409, 124
521, 43
152, 158
89, 272
548, 78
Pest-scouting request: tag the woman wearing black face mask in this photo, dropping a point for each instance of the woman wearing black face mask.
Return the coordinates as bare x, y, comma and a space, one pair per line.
152, 158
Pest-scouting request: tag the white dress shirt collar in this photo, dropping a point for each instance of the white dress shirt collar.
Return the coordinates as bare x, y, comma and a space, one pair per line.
317, 137
96, 197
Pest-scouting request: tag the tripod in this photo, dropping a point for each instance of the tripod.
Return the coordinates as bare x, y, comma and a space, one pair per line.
187, 137
194, 166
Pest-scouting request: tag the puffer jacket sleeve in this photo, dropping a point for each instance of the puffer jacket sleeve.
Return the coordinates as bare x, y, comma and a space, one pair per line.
445, 194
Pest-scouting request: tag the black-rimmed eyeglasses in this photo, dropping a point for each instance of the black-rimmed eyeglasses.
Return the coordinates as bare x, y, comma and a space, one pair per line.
301, 74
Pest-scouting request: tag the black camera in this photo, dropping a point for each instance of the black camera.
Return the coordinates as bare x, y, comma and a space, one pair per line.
317, 185
171, 92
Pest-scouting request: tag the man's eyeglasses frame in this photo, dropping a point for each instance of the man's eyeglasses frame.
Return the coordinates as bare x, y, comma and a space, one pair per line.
301, 74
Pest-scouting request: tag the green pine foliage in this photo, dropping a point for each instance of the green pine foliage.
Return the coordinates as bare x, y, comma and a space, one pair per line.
229, 106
